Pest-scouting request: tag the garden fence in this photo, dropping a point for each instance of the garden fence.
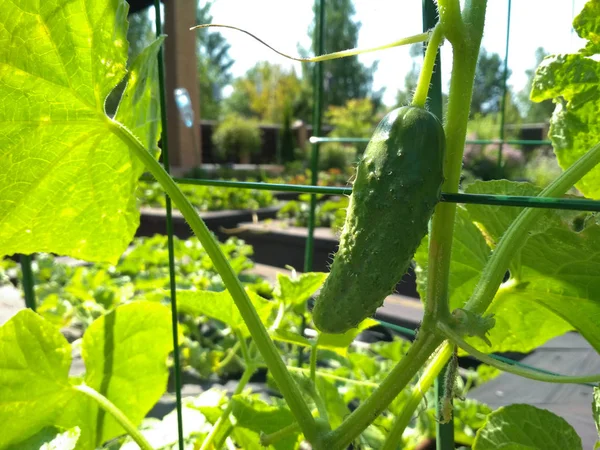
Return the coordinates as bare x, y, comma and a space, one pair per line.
445, 432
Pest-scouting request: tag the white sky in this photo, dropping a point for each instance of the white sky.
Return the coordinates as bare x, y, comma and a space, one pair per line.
284, 24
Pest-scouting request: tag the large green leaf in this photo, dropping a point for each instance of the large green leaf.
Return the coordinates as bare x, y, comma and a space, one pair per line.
522, 323
125, 354
67, 181
50, 438
260, 417
572, 80
469, 254
525, 427
34, 370
220, 306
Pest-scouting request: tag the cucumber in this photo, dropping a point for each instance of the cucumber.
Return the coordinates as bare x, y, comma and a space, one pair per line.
398, 183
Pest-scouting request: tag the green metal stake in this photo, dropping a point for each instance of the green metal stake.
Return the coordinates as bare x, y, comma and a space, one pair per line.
28, 282
504, 79
444, 432
314, 160
169, 212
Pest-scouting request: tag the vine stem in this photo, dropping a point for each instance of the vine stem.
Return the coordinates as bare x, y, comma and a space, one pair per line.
437, 364
265, 345
223, 420
415, 39
516, 370
518, 232
418, 354
269, 439
112, 409
420, 97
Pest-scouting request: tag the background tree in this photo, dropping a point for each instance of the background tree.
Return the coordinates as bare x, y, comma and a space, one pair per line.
535, 112
264, 92
345, 78
214, 64
489, 83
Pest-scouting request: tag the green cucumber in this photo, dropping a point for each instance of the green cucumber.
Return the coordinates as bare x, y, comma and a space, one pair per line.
398, 183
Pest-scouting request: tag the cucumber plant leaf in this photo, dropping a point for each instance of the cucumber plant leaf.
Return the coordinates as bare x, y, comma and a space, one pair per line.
220, 306
67, 181
572, 81
125, 355
50, 438
525, 427
260, 417
521, 323
34, 376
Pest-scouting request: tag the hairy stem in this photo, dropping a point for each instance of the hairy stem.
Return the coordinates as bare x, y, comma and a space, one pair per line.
269, 352
518, 232
418, 392
516, 370
420, 97
270, 439
451, 20
442, 226
418, 354
110, 408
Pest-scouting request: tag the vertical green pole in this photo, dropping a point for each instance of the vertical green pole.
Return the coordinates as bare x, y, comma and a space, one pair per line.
444, 432
504, 88
28, 282
172, 277
316, 131
316, 125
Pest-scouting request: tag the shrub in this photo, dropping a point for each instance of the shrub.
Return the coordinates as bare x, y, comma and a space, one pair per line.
237, 138
334, 155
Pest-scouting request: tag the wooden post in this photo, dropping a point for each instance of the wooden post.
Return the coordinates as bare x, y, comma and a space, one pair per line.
182, 72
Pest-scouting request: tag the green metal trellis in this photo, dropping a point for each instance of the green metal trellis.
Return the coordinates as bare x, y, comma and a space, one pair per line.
445, 432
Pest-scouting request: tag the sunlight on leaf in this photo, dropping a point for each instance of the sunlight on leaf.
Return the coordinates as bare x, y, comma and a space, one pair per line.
34, 370
67, 182
50, 438
220, 306
526, 427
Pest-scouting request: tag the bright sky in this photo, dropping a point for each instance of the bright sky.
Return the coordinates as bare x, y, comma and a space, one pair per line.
284, 24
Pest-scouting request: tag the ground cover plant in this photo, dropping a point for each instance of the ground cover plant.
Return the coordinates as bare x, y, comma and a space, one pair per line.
68, 177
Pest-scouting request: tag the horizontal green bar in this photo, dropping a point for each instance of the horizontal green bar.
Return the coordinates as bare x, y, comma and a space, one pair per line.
322, 140
512, 362
479, 199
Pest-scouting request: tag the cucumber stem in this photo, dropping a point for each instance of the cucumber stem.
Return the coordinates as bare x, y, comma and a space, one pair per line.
420, 97
263, 342
118, 415
421, 37
418, 392
516, 370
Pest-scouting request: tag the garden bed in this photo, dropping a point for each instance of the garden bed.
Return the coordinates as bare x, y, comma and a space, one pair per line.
154, 221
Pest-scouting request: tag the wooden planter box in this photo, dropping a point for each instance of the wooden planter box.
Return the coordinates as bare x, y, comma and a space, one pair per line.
154, 221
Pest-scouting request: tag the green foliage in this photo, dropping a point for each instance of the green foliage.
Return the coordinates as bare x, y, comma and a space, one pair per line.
535, 112
571, 81
542, 168
75, 160
526, 427
236, 137
355, 119
207, 198
50, 438
264, 93
596, 410
335, 155
330, 213
36, 391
